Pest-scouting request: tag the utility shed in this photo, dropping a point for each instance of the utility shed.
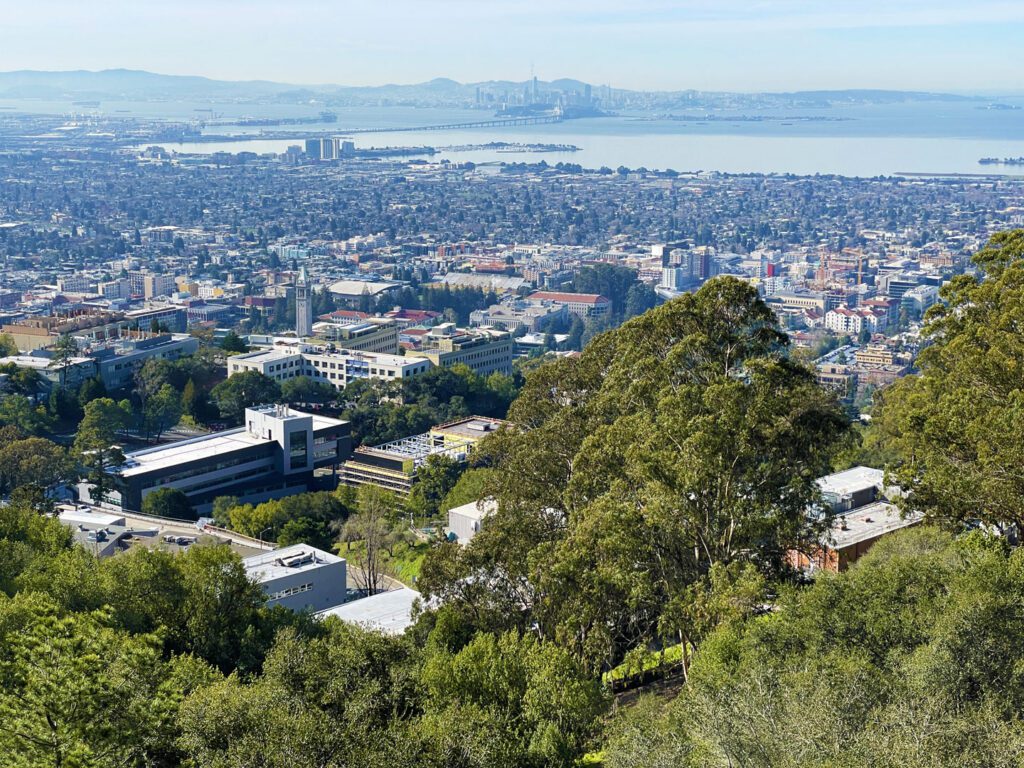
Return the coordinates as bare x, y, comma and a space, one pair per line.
852, 488
466, 521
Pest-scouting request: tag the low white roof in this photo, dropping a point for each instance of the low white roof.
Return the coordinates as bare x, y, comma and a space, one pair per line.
867, 523
475, 510
268, 566
207, 447
851, 480
389, 612
74, 516
266, 355
359, 287
40, 363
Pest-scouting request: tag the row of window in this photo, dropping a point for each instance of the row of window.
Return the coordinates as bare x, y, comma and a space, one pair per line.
289, 591
202, 469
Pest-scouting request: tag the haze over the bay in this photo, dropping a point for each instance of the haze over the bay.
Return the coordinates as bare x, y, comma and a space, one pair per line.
737, 45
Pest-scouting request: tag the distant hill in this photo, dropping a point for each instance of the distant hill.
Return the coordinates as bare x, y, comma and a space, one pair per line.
127, 83
136, 84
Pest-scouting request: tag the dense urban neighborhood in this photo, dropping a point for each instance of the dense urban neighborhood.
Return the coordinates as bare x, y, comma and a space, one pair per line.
339, 456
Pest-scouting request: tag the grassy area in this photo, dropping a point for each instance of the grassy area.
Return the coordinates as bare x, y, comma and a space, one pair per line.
404, 564
407, 562
642, 660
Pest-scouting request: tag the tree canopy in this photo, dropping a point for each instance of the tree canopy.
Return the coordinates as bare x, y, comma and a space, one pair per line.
682, 440
957, 425
244, 390
911, 658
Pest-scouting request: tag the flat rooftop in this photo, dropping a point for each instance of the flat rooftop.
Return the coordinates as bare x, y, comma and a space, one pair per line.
388, 612
71, 514
206, 447
287, 561
476, 510
294, 349
40, 363
868, 522
267, 355
851, 480
472, 428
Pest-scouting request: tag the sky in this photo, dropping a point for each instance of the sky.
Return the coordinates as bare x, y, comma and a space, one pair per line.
738, 45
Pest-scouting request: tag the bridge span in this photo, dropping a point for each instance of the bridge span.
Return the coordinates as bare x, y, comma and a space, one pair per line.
498, 123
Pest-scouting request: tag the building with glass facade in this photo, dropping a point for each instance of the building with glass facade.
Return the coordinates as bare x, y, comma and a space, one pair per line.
274, 454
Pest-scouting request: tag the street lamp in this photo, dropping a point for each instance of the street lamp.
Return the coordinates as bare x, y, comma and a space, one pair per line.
260, 537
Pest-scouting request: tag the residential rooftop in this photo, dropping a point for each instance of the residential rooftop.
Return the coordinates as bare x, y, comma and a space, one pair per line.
869, 522
851, 480
476, 510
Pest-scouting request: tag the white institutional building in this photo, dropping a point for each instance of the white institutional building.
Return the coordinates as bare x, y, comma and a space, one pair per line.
335, 366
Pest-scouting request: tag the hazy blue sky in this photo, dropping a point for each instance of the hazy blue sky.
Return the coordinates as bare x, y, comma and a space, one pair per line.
707, 44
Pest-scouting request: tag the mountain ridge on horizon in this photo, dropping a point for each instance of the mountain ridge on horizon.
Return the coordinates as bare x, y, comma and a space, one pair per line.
34, 83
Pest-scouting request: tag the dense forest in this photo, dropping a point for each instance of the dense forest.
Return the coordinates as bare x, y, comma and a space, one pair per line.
648, 491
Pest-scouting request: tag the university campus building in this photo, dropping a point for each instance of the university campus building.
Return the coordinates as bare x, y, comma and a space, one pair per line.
274, 454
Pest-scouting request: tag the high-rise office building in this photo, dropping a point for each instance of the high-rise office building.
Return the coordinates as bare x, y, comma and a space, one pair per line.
303, 306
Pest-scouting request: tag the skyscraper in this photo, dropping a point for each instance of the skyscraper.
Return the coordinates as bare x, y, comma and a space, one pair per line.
303, 308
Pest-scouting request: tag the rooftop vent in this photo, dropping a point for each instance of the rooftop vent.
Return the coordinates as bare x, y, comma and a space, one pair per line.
296, 560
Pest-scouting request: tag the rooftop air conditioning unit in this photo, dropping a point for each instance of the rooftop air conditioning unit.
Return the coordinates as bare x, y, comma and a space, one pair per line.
302, 558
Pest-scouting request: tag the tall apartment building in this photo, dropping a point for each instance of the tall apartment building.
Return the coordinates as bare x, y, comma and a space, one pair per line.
114, 289
485, 350
845, 320
154, 285
74, 284
151, 284
320, 149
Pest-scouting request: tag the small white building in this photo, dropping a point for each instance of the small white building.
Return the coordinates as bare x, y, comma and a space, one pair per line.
300, 577
466, 521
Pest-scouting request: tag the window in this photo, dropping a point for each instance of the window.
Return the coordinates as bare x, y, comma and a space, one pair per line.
289, 591
298, 456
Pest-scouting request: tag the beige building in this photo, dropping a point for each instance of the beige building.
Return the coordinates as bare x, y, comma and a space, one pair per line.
874, 356
394, 465
374, 334
580, 304
485, 350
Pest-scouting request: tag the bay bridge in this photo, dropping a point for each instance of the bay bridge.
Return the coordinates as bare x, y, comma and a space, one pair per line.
499, 123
